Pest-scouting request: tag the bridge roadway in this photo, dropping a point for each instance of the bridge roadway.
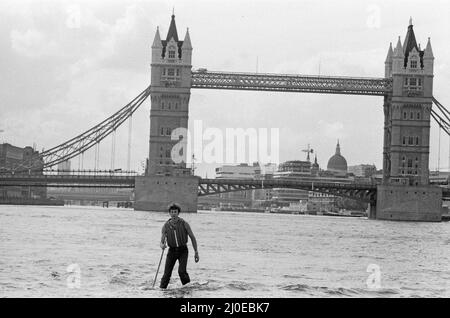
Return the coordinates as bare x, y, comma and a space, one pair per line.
363, 191
357, 190
68, 181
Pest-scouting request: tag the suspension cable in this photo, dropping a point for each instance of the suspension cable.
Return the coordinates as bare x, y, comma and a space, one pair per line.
437, 103
87, 139
130, 131
96, 156
443, 110
439, 149
440, 123
113, 149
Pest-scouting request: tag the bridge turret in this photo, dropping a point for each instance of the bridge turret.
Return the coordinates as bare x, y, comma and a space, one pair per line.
388, 62
398, 58
157, 47
186, 49
428, 59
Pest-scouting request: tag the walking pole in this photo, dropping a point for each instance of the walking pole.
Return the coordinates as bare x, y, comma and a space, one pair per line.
154, 281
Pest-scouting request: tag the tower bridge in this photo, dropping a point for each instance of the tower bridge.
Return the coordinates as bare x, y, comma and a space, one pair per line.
405, 193
406, 88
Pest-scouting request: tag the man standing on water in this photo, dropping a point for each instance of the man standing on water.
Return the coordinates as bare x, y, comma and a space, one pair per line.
176, 231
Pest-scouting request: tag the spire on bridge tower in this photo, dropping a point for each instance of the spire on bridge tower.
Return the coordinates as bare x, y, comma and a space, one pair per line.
157, 40
428, 59
187, 41
410, 43
157, 47
398, 58
428, 53
388, 62
186, 49
390, 54
398, 52
172, 33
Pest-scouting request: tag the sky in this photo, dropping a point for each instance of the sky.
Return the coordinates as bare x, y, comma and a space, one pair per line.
67, 65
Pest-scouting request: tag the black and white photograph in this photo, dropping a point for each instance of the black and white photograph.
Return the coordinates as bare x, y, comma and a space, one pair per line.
224, 155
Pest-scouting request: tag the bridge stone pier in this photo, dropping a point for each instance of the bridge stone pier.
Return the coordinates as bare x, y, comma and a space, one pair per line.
405, 194
155, 193
166, 180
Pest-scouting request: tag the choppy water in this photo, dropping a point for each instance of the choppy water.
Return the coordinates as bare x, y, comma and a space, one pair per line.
241, 255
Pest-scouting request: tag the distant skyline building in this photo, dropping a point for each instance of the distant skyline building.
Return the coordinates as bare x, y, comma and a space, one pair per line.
315, 168
269, 169
14, 159
291, 170
237, 199
301, 170
294, 168
363, 170
320, 202
241, 171
10, 156
337, 164
262, 197
64, 166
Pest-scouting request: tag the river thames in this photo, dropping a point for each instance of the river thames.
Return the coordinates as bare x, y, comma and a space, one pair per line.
96, 252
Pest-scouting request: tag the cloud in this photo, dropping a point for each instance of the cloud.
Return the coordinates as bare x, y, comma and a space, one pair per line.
33, 43
337, 63
332, 130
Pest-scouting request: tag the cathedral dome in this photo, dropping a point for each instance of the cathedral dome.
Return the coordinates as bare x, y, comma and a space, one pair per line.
337, 162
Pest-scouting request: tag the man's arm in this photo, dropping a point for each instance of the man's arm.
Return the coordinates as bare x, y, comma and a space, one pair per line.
163, 237
194, 241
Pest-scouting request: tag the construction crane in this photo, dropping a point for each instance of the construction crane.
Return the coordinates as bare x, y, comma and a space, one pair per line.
308, 151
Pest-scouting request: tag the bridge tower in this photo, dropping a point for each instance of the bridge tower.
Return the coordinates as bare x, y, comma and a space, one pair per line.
166, 177
405, 193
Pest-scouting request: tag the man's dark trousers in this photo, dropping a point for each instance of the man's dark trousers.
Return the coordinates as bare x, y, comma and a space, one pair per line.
176, 253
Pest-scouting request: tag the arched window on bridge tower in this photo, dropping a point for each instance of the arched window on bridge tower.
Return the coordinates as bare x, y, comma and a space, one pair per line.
171, 52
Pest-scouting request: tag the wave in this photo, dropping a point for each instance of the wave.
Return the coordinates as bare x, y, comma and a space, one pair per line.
294, 276
239, 286
177, 290
121, 278
55, 275
338, 291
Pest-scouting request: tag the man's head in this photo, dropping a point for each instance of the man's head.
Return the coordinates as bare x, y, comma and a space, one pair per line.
174, 210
